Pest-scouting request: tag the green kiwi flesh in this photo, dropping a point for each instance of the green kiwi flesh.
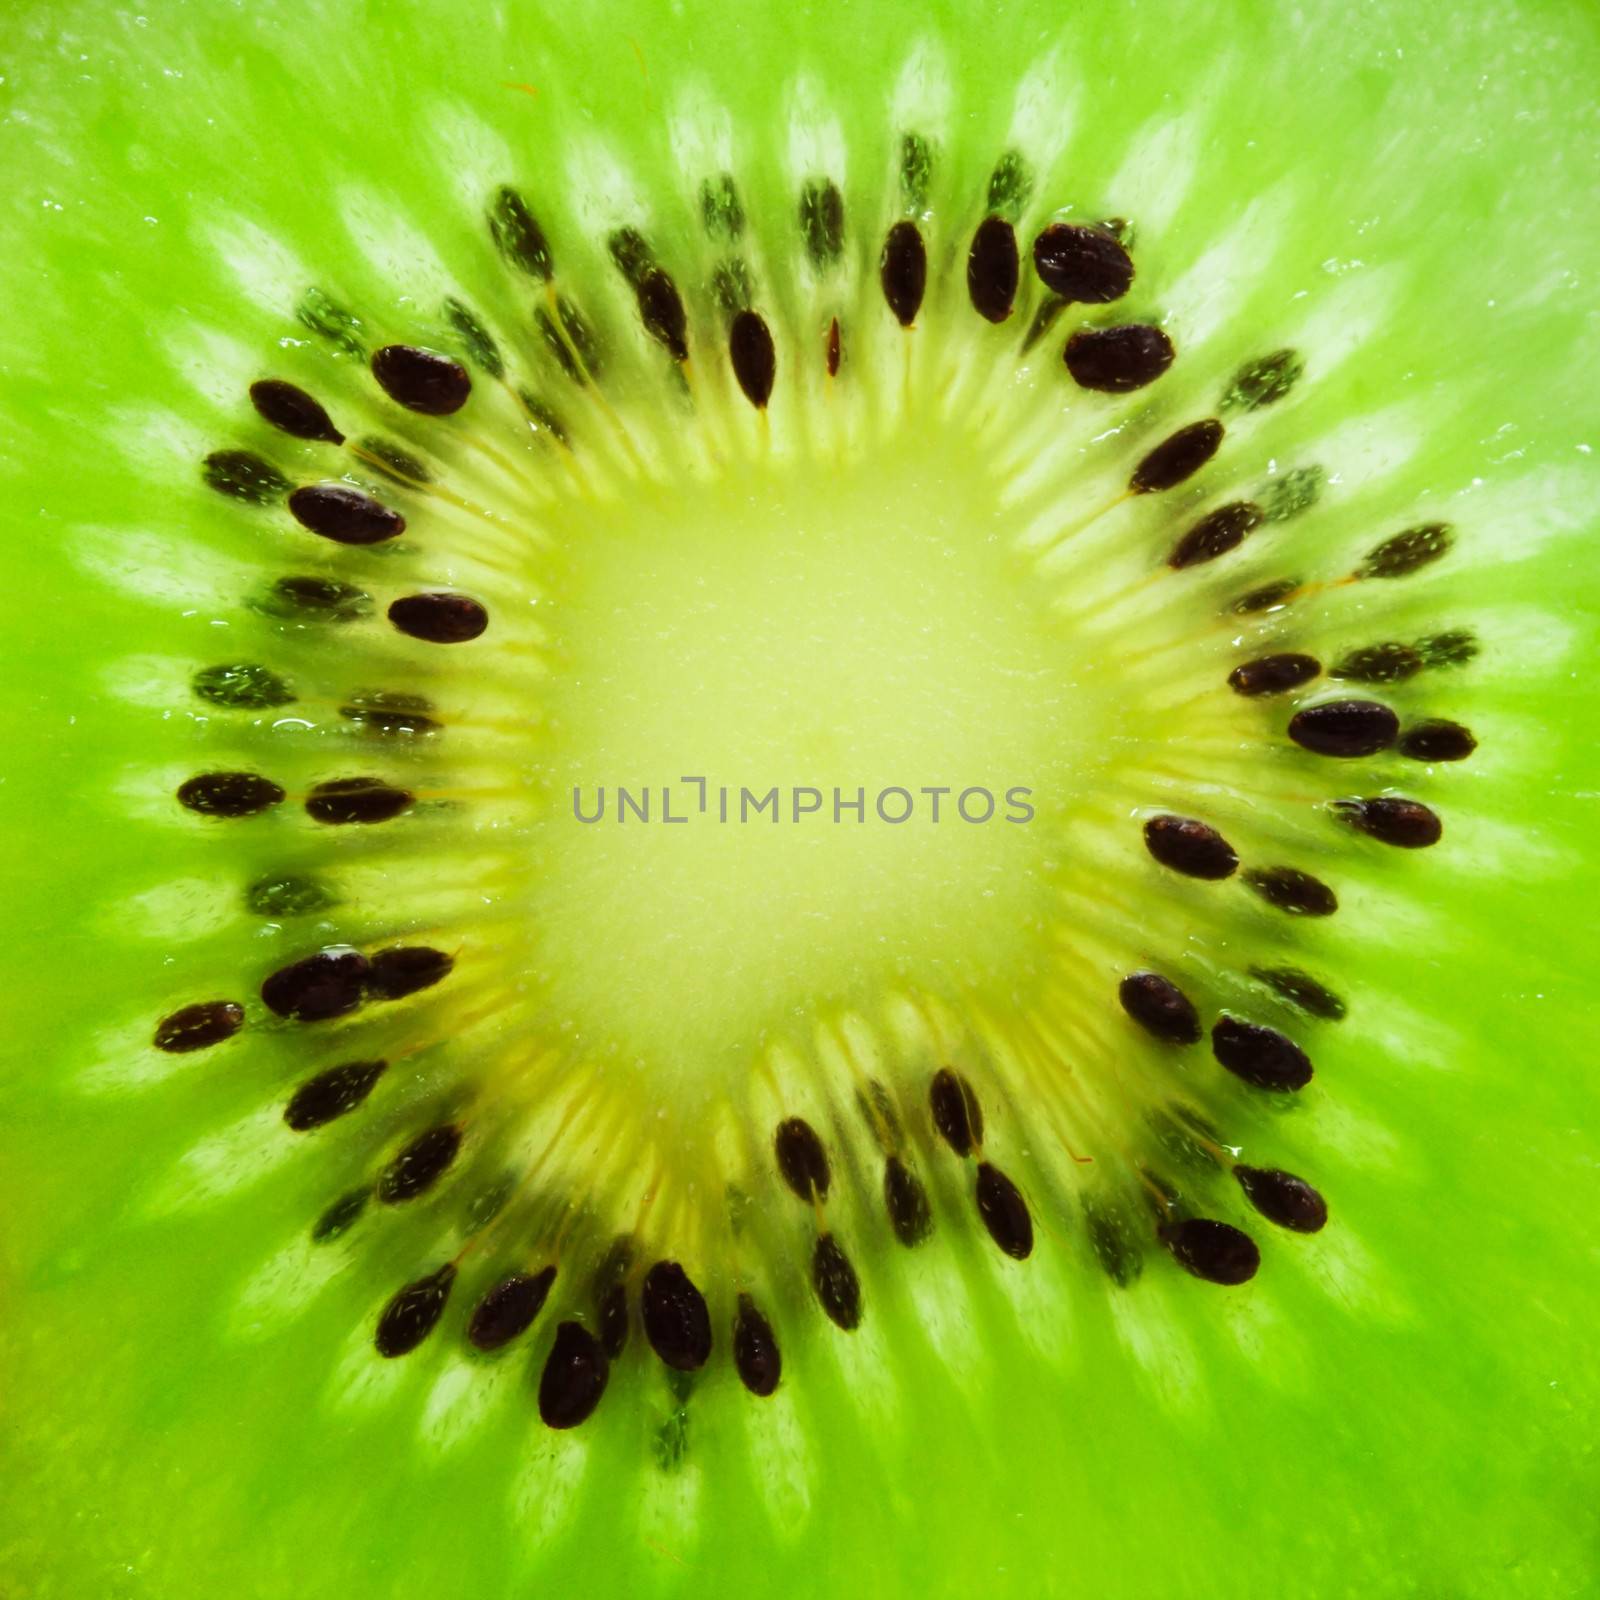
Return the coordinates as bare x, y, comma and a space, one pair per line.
800, 805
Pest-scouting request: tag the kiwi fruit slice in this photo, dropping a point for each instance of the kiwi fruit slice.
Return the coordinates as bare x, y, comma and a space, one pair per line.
799, 801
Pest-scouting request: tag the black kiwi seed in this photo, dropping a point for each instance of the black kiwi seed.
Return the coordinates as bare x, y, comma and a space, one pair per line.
384, 712
413, 1313
838, 1288
903, 272
906, 1200
661, 310
1406, 823
439, 618
835, 351
198, 1027
1266, 597
1044, 319
631, 254
755, 361
1160, 1007
675, 1318
291, 410
340, 1217
1010, 184
332, 1094
1082, 264
1215, 534
391, 462
1378, 663
916, 168
349, 800
326, 317
822, 221
1118, 360
1004, 1212
1191, 847
1289, 889
1264, 381
517, 236
1274, 674
756, 1356
306, 599
507, 1310
403, 969
1437, 740
1404, 553
801, 1158
241, 686
242, 475
1345, 728
229, 794
330, 983
1301, 989
1452, 649
1282, 1198
956, 1112
541, 417
288, 894
574, 1377
480, 344
721, 211
1177, 457
993, 269
419, 1165
1215, 1251
421, 380
1260, 1055
345, 515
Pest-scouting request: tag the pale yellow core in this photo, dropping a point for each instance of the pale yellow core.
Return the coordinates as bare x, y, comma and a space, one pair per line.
861, 627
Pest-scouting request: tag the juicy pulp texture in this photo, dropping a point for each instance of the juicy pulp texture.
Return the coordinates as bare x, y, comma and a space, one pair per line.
922, 567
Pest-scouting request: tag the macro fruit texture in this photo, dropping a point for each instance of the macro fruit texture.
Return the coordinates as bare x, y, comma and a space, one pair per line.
1172, 423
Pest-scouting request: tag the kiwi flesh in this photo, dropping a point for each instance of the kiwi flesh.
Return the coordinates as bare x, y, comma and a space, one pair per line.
800, 809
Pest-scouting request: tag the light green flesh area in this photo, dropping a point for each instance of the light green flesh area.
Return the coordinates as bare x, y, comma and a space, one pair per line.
860, 589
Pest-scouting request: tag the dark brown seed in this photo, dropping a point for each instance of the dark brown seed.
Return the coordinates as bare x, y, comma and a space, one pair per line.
1437, 740
1177, 457
611, 1310
291, 410
721, 210
1118, 360
345, 515
199, 1026
1191, 847
1260, 1055
480, 346
1004, 1212
419, 1165
390, 461
676, 1321
229, 794
1215, 1251
1301, 989
414, 1313
1010, 184
1391, 820
1378, 663
403, 969
956, 1112
314, 600
331, 1094
421, 380
241, 686
1215, 534
1345, 728
903, 272
756, 1357
439, 618
835, 349
1083, 264
822, 221
574, 1377
1273, 674
801, 1158
1160, 1007
631, 254
1293, 891
242, 475
1266, 597
755, 361
507, 1310
346, 800
1282, 1198
1404, 553
838, 1288
910, 1215
517, 236
329, 984
340, 1217
993, 269
1264, 381
661, 311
